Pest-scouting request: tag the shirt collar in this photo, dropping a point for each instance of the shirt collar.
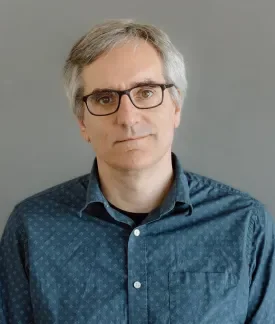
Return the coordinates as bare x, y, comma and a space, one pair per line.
181, 182
179, 191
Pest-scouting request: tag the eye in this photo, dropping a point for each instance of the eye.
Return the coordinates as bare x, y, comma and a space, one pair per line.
104, 100
146, 93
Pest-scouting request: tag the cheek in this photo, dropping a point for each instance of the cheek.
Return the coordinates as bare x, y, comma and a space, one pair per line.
165, 127
167, 118
97, 133
171, 122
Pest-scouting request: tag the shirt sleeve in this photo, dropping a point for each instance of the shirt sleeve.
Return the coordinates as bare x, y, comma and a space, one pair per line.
261, 307
14, 286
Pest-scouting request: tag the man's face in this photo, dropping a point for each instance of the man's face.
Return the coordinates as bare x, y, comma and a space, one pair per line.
119, 70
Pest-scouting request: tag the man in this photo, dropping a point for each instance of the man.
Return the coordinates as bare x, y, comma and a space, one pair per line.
138, 240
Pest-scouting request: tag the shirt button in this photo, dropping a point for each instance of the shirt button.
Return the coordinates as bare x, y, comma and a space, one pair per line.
136, 232
137, 284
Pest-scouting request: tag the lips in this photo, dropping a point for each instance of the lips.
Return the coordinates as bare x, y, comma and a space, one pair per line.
132, 138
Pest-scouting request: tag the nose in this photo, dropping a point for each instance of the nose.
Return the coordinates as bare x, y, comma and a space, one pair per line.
127, 113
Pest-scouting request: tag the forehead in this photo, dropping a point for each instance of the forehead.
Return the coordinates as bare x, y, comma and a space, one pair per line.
125, 64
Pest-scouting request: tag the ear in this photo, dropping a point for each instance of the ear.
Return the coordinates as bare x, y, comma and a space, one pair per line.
177, 112
81, 123
83, 129
177, 116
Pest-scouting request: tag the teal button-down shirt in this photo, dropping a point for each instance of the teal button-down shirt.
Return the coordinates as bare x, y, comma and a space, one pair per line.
204, 256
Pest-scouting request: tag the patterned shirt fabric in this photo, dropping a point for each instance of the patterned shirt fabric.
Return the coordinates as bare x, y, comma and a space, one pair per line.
206, 255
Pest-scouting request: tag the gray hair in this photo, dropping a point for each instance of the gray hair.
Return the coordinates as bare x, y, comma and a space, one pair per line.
102, 38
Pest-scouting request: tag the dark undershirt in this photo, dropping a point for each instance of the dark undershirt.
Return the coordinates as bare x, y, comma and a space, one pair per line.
136, 217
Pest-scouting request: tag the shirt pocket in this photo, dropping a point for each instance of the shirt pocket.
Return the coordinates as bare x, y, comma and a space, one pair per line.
202, 297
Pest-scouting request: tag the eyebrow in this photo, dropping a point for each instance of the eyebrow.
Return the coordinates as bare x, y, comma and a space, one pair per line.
132, 85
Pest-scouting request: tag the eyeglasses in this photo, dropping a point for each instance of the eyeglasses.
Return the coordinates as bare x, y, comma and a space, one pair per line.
144, 96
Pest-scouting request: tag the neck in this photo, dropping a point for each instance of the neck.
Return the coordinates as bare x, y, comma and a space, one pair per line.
138, 191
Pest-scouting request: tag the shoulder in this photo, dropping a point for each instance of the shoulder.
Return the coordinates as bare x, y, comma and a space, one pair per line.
200, 182
49, 203
204, 189
63, 192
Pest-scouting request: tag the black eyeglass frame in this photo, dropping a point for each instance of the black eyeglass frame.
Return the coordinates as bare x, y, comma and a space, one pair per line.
127, 92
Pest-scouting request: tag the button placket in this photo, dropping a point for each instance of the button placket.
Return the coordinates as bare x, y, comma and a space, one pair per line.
137, 278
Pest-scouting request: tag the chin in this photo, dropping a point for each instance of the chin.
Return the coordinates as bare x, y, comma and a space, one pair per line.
133, 160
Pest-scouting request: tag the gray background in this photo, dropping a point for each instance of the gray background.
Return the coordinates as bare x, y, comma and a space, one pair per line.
227, 130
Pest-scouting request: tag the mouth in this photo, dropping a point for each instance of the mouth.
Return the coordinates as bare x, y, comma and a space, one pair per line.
133, 139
